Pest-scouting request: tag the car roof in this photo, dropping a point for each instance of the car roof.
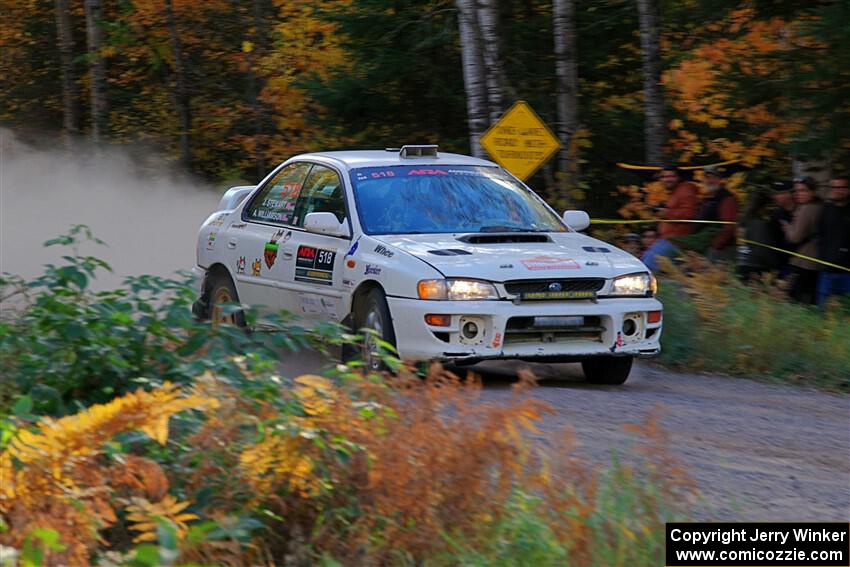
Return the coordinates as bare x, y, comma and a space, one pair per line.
371, 158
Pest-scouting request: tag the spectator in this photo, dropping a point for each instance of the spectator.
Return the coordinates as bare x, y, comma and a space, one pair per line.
648, 238
834, 241
783, 196
682, 203
719, 206
753, 260
801, 232
631, 244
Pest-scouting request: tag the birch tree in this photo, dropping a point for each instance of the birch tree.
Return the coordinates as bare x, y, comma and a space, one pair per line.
70, 93
563, 24
97, 71
498, 86
654, 129
473, 74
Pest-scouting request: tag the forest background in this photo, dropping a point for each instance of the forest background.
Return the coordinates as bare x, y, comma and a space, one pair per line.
228, 89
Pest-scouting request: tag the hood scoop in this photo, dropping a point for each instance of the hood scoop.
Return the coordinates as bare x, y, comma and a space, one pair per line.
503, 238
450, 252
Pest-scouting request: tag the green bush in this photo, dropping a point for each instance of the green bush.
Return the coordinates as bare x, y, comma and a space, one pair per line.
713, 322
67, 346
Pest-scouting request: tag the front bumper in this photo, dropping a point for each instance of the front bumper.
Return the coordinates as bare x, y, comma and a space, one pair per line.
509, 330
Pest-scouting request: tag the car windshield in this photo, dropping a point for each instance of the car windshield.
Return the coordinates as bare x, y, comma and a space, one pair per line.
430, 198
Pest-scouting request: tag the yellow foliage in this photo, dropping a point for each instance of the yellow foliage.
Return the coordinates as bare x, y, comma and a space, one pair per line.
54, 476
144, 515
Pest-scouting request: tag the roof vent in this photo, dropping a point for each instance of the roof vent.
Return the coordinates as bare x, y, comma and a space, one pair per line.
418, 151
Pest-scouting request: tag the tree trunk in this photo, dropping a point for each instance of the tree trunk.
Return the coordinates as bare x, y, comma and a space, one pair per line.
254, 89
70, 93
563, 24
497, 82
473, 74
97, 71
181, 94
655, 132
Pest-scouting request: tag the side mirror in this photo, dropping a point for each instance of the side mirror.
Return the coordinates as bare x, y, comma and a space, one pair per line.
325, 223
577, 220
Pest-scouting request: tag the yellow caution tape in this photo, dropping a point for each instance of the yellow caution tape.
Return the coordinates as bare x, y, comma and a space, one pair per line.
744, 240
803, 256
683, 168
642, 221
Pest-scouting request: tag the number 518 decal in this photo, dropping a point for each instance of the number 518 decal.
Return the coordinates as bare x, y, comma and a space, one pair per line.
315, 265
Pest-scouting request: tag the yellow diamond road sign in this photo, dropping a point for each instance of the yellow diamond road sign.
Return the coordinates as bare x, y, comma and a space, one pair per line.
520, 142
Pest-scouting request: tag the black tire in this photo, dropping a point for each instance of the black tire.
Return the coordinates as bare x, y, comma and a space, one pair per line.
613, 370
222, 290
373, 313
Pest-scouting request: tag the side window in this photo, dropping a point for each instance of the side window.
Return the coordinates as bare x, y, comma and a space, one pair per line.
322, 193
276, 201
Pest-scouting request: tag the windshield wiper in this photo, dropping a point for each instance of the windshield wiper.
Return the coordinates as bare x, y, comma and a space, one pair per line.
499, 228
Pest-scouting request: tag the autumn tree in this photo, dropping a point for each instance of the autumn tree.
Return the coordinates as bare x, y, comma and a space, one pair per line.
563, 27
97, 70
70, 92
655, 132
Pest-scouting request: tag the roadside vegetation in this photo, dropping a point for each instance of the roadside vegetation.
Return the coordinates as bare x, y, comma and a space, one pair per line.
715, 323
131, 434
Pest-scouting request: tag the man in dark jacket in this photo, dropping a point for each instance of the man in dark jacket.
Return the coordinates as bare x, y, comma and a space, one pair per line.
834, 241
783, 197
719, 205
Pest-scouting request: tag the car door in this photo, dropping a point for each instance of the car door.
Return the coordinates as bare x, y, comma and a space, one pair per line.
313, 282
254, 243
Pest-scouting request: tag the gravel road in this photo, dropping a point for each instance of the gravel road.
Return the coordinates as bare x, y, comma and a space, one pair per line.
758, 451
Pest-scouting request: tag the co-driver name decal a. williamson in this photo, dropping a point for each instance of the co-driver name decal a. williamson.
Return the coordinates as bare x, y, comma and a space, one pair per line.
314, 265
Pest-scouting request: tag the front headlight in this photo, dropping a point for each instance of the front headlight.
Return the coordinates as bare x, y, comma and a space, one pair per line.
456, 290
634, 284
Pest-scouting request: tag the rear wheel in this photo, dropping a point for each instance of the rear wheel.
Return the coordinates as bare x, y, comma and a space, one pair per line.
223, 291
607, 369
373, 314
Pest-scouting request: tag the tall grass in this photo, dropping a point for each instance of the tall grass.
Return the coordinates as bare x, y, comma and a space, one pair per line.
713, 322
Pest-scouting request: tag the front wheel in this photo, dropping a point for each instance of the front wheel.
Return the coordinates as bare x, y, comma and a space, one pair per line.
607, 369
373, 314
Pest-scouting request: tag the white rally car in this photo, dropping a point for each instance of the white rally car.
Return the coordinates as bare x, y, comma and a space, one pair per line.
445, 256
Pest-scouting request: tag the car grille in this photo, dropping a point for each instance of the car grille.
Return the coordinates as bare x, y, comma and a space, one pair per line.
522, 287
538, 330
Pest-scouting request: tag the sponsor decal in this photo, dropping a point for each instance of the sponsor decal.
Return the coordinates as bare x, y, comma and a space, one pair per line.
219, 220
618, 343
348, 283
255, 267
238, 225
600, 249
271, 247
240, 265
318, 305
290, 190
373, 270
559, 295
211, 240
550, 263
315, 265
591, 263
497, 340
427, 172
353, 248
506, 266
384, 251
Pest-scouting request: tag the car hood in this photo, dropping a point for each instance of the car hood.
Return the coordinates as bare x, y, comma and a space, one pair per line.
502, 257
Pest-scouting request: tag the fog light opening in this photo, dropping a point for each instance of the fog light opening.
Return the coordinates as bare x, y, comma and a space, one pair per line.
469, 330
629, 327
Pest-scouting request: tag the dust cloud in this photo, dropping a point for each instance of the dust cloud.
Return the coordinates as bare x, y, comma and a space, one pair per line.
147, 214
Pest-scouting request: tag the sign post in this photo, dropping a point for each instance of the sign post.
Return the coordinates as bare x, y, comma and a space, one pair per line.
519, 141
